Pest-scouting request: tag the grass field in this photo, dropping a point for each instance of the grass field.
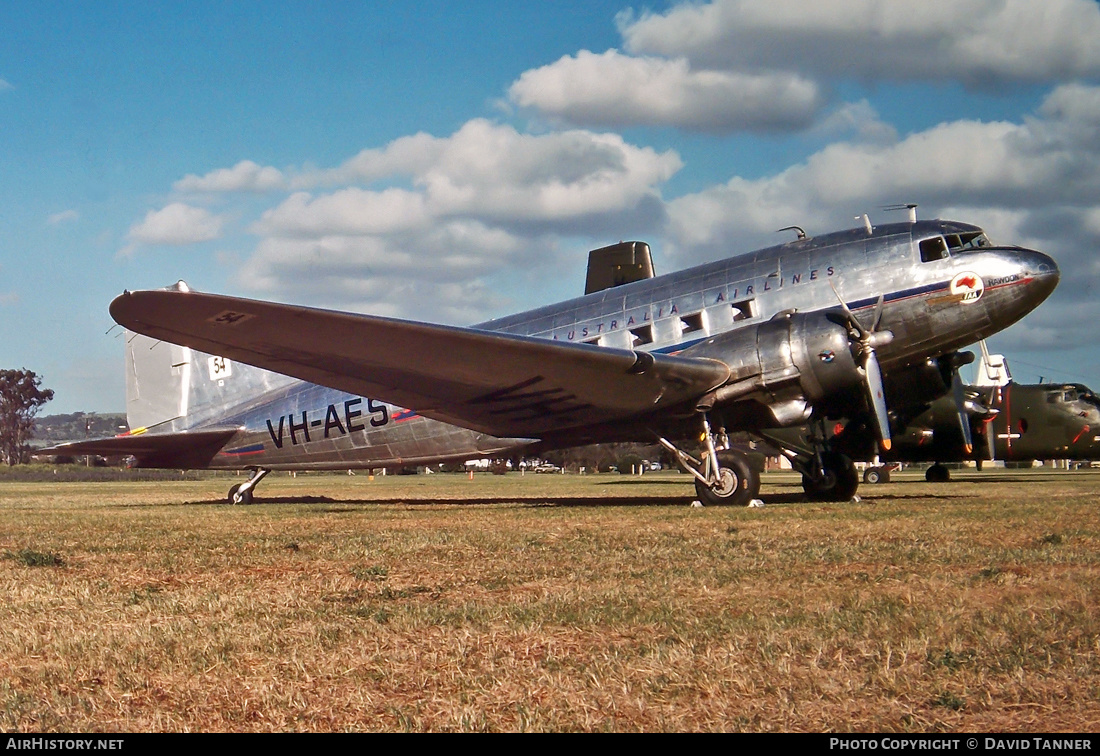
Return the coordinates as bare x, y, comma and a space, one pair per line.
549, 602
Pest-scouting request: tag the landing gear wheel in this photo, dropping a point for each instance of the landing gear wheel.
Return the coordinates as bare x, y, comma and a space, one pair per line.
738, 483
937, 473
840, 482
235, 498
874, 475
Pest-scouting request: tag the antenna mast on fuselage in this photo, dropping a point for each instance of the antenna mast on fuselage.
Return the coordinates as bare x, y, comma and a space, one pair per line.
910, 206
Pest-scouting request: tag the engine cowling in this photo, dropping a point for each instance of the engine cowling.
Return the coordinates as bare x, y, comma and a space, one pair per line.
789, 364
926, 381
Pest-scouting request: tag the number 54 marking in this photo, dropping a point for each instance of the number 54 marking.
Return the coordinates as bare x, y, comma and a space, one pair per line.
220, 368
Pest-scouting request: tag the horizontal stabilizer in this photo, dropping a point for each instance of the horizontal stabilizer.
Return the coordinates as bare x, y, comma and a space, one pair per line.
502, 384
184, 450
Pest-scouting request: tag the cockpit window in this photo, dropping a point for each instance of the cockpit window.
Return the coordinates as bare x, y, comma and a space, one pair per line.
941, 247
1076, 393
966, 242
933, 249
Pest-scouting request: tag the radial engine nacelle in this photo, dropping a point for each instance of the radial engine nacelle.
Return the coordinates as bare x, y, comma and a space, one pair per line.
792, 363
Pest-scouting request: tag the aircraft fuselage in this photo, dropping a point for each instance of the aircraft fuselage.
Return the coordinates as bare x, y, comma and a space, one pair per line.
932, 307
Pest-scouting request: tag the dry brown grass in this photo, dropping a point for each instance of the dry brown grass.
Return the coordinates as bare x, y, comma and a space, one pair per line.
552, 603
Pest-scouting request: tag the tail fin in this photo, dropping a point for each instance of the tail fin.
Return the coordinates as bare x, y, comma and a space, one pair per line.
155, 383
174, 388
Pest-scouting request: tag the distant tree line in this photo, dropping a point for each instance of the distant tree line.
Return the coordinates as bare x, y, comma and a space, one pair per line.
77, 426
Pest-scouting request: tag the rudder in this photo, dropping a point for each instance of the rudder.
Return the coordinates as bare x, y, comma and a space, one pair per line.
175, 388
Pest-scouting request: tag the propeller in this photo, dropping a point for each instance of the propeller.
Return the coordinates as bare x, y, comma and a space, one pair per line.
867, 340
966, 402
990, 435
976, 406
958, 392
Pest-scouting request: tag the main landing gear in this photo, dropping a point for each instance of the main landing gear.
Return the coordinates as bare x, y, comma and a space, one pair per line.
724, 477
833, 478
242, 492
827, 475
937, 473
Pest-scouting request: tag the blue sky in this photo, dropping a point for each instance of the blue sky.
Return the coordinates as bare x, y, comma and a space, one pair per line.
455, 161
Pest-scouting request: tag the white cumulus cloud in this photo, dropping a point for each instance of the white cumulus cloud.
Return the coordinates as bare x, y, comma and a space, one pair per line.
489, 169
756, 65
617, 90
976, 41
351, 211
177, 224
455, 211
435, 273
245, 176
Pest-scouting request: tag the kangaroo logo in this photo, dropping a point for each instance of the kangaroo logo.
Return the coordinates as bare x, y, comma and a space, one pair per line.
968, 287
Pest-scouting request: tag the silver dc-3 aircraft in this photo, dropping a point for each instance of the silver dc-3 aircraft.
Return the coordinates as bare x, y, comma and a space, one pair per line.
796, 333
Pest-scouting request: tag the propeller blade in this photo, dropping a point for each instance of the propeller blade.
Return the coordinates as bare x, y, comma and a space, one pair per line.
866, 340
863, 332
878, 312
990, 438
958, 391
877, 395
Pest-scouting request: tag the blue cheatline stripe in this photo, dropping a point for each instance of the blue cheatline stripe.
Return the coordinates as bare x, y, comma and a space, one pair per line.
253, 449
897, 295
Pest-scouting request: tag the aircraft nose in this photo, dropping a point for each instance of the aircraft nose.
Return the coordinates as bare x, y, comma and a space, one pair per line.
1042, 270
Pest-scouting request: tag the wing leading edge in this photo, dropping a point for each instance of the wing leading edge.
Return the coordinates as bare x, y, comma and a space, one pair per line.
501, 384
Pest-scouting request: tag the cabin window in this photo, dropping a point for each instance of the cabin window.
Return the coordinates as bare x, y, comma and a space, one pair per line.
595, 340
691, 323
933, 249
744, 309
641, 335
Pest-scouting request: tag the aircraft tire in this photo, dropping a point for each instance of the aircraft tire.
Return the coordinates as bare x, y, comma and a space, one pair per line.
246, 497
840, 483
739, 483
937, 473
875, 475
